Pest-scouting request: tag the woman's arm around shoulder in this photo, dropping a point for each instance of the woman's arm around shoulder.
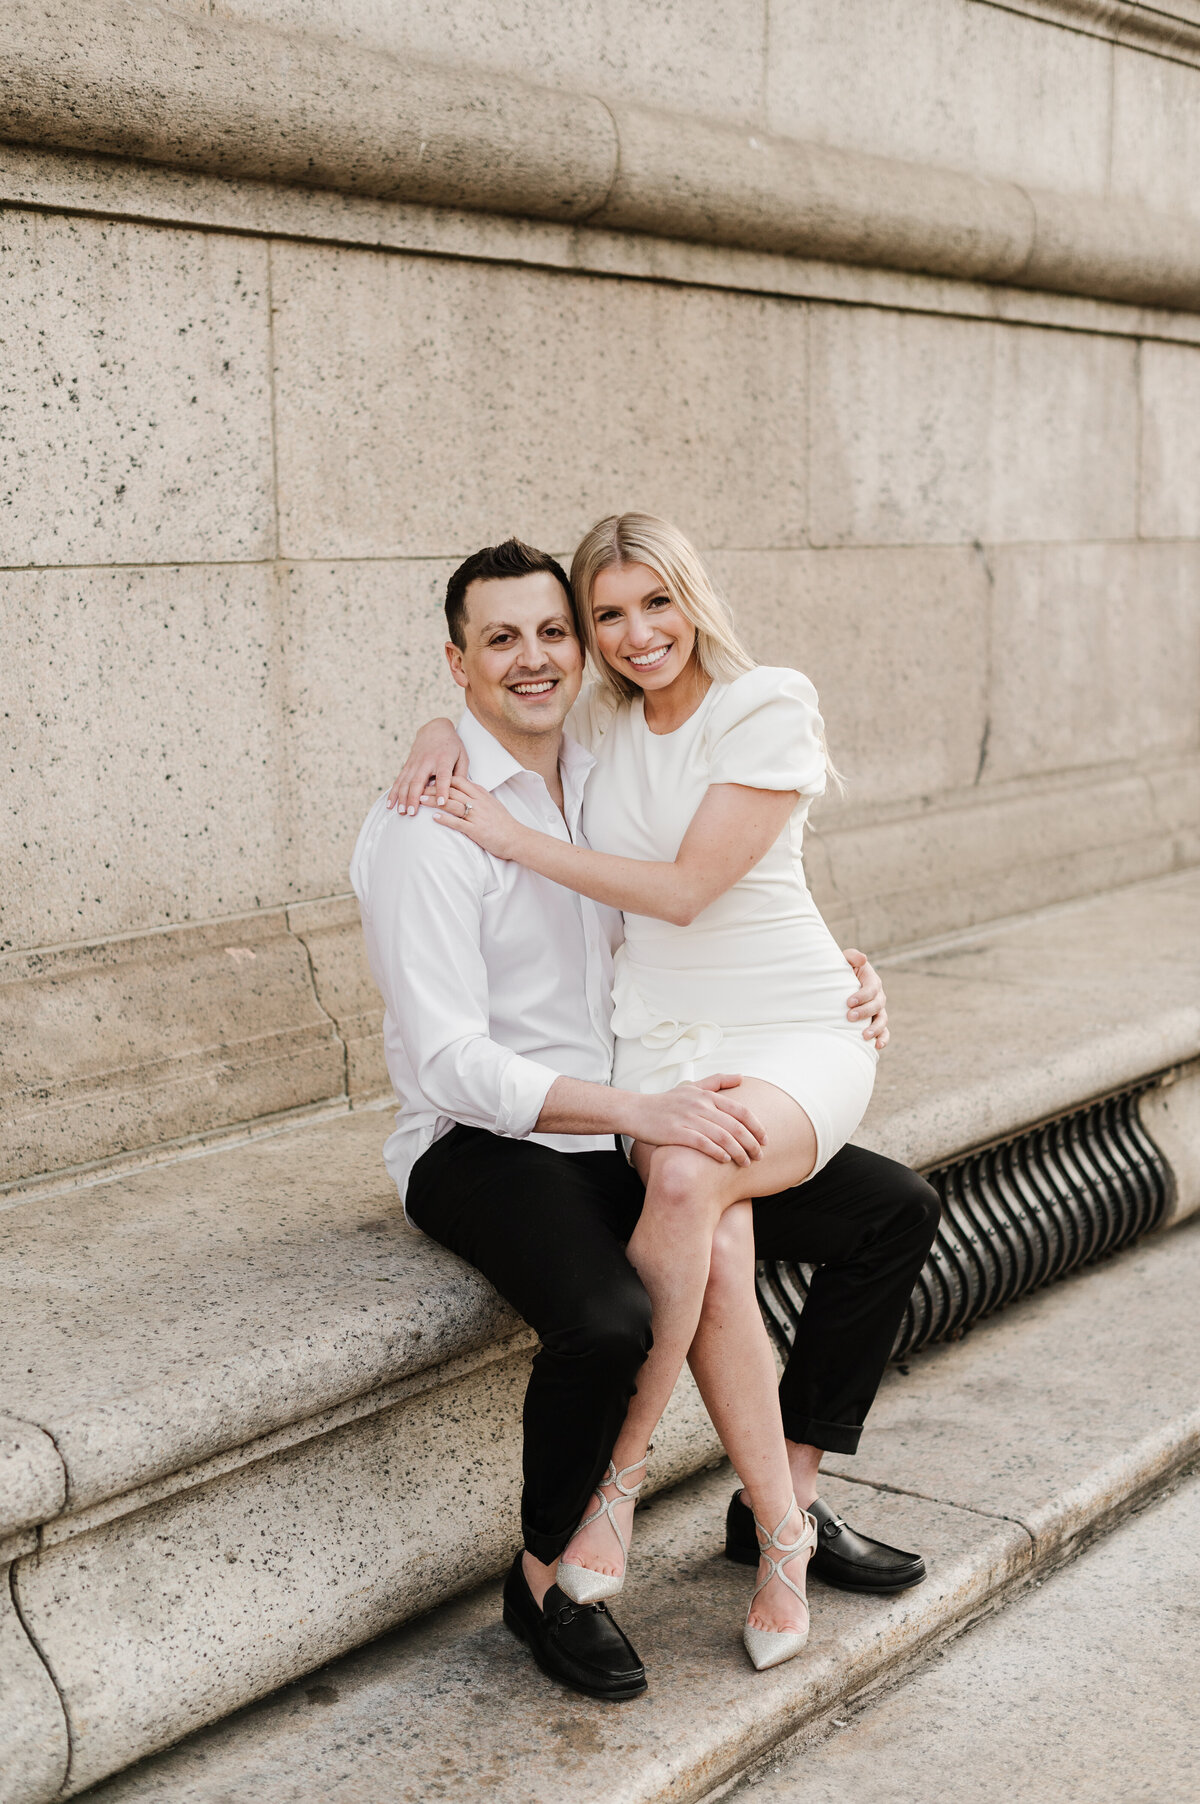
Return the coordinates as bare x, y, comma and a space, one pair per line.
732, 829
762, 753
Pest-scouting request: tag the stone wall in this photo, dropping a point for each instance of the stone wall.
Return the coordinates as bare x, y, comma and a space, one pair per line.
247, 426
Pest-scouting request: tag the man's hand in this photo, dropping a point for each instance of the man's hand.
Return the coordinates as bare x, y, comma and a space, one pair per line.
704, 1115
868, 1002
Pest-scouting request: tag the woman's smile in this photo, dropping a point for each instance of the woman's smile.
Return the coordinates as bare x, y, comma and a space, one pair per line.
649, 660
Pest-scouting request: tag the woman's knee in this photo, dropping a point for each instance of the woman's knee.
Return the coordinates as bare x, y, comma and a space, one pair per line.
683, 1181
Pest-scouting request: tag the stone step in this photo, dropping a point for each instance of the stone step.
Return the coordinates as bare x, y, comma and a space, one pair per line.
1085, 1691
997, 1457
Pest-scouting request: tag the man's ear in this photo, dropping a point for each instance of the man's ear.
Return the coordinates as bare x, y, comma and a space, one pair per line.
454, 658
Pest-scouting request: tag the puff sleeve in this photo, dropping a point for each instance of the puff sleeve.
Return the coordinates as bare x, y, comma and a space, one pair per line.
766, 732
591, 716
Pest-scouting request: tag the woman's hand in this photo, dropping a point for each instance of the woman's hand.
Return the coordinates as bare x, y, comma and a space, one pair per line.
868, 1002
438, 755
475, 812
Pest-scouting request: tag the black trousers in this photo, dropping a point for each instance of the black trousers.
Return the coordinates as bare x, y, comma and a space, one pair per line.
548, 1229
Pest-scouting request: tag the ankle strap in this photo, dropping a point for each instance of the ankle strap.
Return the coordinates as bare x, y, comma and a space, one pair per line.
625, 1494
613, 1477
786, 1550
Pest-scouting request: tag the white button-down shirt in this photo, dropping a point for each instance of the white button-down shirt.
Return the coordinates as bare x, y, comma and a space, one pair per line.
495, 981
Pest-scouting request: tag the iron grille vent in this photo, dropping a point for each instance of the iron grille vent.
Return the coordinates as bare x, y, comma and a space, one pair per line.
1014, 1217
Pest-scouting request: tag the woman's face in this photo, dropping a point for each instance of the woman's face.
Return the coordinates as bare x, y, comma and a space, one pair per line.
639, 630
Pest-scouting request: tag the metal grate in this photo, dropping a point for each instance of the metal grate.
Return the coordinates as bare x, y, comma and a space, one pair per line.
1014, 1217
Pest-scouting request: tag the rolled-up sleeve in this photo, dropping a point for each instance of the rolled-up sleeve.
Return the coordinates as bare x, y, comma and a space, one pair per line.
423, 922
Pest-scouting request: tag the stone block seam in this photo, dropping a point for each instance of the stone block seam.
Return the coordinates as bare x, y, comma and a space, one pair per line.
243, 100
60, 1776
316, 996
34, 1486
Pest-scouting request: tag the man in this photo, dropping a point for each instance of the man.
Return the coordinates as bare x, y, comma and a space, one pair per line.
497, 990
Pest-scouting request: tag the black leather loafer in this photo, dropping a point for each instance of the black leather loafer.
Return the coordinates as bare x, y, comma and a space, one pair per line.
851, 1561
578, 1644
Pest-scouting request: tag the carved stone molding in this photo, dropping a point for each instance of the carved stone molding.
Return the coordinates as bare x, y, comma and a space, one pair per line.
1170, 31
234, 100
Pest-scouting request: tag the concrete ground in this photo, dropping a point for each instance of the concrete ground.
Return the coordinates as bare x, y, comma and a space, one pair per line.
1084, 1691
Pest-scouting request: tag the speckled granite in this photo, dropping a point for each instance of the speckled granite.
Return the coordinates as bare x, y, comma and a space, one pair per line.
154, 1321
371, 348
136, 388
148, 700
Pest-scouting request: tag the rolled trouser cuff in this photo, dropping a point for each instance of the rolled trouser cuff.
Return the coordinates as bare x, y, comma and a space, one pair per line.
545, 1548
831, 1437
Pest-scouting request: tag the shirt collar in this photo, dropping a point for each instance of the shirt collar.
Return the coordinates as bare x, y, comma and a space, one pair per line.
491, 765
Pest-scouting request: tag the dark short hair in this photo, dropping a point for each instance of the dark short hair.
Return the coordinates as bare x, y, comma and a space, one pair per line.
512, 558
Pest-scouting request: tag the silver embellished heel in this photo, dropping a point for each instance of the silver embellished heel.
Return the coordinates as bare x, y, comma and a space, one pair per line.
580, 1583
771, 1647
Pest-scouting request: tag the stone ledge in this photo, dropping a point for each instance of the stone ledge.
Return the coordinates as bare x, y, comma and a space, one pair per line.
991, 1457
243, 100
270, 1397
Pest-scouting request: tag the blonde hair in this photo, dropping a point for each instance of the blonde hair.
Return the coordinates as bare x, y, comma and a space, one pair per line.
644, 539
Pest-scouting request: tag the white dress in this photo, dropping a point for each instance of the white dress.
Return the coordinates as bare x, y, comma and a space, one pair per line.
756, 983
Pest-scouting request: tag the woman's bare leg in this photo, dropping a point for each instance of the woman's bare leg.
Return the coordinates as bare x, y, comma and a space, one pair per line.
671, 1250
734, 1369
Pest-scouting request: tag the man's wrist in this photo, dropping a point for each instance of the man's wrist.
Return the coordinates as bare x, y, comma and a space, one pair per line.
631, 1113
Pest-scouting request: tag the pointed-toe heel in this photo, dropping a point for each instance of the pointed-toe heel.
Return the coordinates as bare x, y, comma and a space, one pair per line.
771, 1647
580, 1583
583, 1586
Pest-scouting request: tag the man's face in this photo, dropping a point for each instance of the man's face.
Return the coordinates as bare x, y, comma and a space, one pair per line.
522, 664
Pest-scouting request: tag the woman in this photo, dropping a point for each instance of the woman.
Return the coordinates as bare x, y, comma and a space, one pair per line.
706, 766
